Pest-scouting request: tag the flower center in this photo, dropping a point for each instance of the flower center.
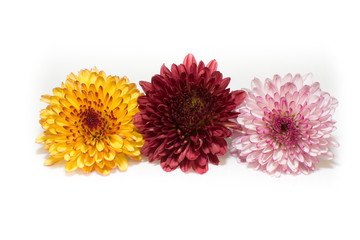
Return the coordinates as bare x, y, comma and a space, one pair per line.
192, 109
91, 119
284, 130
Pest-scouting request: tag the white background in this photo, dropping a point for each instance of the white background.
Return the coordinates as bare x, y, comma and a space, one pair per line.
43, 41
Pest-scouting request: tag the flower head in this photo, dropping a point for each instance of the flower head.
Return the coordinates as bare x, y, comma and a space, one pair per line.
185, 115
287, 125
89, 123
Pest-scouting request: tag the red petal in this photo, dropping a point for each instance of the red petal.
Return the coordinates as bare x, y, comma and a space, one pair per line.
160, 149
214, 148
202, 160
205, 148
146, 86
224, 83
173, 163
201, 66
157, 82
142, 100
189, 60
212, 65
185, 165
192, 154
238, 96
218, 146
214, 159
145, 149
164, 70
198, 168
137, 120
223, 146
195, 138
232, 125
169, 164
220, 131
183, 153
175, 71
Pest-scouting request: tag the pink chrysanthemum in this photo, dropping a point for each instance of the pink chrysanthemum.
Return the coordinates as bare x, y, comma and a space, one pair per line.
185, 115
287, 125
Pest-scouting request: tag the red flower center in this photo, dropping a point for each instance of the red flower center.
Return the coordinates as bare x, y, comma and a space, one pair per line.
91, 119
284, 130
192, 109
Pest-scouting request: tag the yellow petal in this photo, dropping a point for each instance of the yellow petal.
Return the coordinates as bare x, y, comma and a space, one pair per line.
51, 160
89, 161
61, 122
61, 147
136, 158
84, 76
88, 169
110, 155
45, 98
95, 69
135, 93
69, 84
73, 101
65, 102
110, 164
41, 138
92, 151
121, 161
100, 146
59, 92
134, 153
100, 164
92, 78
116, 102
104, 171
84, 148
54, 100
128, 146
99, 156
92, 88
116, 141
132, 104
126, 98
110, 87
121, 115
124, 90
124, 80
99, 82
80, 160
71, 166
72, 76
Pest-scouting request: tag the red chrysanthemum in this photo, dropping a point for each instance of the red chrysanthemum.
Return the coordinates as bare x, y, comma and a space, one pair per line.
185, 114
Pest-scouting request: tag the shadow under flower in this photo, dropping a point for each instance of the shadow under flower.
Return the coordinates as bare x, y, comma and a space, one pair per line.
41, 150
325, 164
61, 164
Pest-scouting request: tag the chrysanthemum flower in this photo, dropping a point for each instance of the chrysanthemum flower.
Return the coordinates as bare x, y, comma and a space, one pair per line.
89, 123
287, 125
185, 115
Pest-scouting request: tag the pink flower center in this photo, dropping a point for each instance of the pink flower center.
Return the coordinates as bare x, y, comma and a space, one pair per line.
284, 130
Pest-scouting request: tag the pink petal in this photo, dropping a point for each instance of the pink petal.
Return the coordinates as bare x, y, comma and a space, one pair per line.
271, 166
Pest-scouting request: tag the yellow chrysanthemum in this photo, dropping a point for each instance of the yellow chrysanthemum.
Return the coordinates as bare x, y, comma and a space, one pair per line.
89, 122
